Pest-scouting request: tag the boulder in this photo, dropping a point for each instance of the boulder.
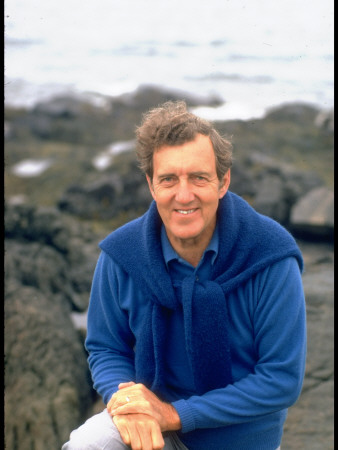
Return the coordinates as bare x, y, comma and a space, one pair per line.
271, 199
75, 118
272, 186
46, 250
64, 106
325, 120
310, 421
49, 263
93, 200
313, 214
300, 113
108, 196
150, 96
48, 387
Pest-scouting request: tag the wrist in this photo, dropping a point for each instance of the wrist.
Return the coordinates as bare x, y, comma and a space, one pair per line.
174, 421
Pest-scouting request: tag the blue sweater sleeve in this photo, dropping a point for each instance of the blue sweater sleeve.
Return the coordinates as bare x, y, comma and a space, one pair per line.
277, 312
109, 339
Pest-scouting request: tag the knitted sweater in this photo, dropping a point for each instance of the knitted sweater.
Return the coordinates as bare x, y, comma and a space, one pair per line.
243, 257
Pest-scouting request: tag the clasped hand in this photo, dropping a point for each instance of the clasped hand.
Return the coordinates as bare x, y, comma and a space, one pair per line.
141, 416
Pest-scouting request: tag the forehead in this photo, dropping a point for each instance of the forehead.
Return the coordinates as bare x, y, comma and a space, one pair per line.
196, 155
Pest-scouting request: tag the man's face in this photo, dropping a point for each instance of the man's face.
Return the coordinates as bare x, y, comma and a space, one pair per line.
187, 191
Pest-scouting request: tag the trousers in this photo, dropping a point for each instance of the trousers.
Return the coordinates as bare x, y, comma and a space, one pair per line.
100, 433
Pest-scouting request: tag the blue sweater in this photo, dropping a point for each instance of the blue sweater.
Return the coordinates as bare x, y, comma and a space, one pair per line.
266, 340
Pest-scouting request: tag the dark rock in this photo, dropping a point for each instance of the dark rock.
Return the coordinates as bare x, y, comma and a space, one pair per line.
48, 387
108, 196
65, 107
310, 422
150, 96
243, 181
325, 120
273, 187
43, 250
270, 199
63, 119
313, 214
301, 113
44, 225
49, 263
95, 200
72, 118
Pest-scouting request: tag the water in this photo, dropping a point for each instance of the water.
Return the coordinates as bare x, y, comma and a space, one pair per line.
253, 54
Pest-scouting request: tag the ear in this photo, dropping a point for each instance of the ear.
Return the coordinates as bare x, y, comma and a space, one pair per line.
151, 187
225, 186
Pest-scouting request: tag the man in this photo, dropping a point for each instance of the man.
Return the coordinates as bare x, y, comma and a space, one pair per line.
196, 324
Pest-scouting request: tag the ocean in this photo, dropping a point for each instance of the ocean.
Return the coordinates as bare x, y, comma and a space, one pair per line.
253, 54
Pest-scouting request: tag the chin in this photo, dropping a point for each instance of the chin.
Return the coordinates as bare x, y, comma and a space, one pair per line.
187, 235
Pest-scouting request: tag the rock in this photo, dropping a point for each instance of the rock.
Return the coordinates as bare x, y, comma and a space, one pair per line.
150, 96
49, 265
64, 119
48, 387
46, 251
301, 113
72, 118
270, 199
272, 186
243, 181
310, 421
313, 214
109, 196
95, 200
325, 120
64, 107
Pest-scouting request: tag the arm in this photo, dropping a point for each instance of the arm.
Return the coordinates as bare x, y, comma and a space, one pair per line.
279, 339
110, 340
277, 315
110, 344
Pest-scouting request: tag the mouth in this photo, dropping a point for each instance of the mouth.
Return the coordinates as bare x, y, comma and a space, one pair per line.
186, 212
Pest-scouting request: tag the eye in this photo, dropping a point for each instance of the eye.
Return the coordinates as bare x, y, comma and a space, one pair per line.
199, 179
167, 180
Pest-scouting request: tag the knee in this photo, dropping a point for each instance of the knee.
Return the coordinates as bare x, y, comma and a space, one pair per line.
96, 433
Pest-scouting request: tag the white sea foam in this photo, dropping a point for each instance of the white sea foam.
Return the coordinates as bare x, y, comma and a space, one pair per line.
105, 158
31, 167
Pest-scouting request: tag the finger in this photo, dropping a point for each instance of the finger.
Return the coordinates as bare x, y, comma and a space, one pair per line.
118, 399
123, 429
145, 434
157, 437
137, 430
124, 385
135, 407
115, 401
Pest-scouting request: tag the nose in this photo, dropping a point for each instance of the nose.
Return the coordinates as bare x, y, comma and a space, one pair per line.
184, 192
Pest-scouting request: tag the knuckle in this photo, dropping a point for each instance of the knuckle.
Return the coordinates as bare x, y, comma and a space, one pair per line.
137, 446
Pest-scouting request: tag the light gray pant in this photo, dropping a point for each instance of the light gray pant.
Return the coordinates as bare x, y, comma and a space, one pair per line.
100, 433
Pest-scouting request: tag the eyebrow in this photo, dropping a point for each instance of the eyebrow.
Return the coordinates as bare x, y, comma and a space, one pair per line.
172, 174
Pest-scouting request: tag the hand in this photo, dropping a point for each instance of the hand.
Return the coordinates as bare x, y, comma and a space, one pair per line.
140, 431
134, 398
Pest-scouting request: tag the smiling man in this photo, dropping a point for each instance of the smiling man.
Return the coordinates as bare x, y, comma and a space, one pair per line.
196, 323
187, 190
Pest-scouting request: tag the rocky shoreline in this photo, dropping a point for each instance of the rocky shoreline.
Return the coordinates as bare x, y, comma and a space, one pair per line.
55, 218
